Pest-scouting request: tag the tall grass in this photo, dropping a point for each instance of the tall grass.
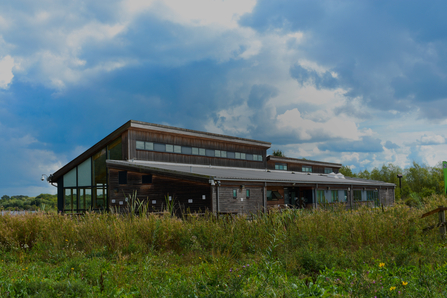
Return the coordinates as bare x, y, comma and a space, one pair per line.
315, 238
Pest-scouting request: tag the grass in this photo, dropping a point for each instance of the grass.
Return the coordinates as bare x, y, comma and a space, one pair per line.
296, 253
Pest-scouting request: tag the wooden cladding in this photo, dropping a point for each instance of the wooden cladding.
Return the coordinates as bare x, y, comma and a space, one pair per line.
174, 139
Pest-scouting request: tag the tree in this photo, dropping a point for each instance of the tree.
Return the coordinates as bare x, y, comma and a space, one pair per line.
346, 171
278, 153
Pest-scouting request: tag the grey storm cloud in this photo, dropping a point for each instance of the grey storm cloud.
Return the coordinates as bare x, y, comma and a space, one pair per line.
391, 55
366, 144
391, 145
303, 76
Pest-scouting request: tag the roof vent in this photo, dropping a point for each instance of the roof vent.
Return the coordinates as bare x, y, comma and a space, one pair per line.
308, 173
293, 172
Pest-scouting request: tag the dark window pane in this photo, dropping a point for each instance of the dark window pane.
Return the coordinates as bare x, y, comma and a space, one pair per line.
160, 147
122, 177
146, 179
230, 154
209, 152
115, 150
186, 150
249, 156
99, 168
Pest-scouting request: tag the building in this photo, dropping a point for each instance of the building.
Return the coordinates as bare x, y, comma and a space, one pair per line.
201, 171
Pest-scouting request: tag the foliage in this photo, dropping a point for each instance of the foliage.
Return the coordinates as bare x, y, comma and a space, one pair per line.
418, 181
278, 153
294, 253
42, 201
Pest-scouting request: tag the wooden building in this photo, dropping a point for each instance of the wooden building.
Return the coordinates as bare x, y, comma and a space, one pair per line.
200, 171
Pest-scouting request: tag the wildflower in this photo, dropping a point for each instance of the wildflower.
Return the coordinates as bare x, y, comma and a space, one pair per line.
66, 239
392, 288
200, 258
381, 264
404, 283
72, 269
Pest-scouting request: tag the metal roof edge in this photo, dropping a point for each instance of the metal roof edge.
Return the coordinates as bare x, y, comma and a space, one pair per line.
196, 133
303, 161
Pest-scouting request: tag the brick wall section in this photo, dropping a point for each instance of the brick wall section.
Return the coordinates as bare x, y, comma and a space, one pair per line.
251, 205
386, 196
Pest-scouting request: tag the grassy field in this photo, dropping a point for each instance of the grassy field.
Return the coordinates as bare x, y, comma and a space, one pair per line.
295, 253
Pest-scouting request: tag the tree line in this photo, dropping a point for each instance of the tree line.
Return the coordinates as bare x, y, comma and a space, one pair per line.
42, 201
418, 181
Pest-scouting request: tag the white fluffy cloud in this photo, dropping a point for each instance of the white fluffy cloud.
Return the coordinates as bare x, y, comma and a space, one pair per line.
6, 75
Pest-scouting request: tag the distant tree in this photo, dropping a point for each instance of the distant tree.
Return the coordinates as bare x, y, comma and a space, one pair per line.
345, 170
278, 153
5, 197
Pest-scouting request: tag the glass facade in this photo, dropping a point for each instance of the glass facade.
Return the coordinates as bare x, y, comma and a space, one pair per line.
306, 169
85, 186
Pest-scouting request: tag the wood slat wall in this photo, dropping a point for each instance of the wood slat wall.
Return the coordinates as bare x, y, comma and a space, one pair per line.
251, 205
160, 187
148, 136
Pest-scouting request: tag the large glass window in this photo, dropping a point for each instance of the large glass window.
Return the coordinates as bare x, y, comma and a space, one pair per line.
321, 198
70, 178
115, 150
70, 200
328, 170
334, 195
273, 195
357, 195
99, 168
85, 173
85, 198
99, 197
373, 195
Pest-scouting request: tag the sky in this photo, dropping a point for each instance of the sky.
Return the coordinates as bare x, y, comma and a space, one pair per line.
362, 83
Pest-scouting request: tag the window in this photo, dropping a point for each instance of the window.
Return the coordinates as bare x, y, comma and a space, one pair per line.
321, 197
234, 193
122, 177
357, 195
334, 195
186, 150
217, 153
249, 156
177, 149
281, 166
223, 153
195, 151
237, 155
328, 170
345, 196
140, 145
306, 169
247, 191
230, 155
146, 179
202, 151
210, 153
169, 148
373, 195
160, 147
273, 195
242, 155
149, 146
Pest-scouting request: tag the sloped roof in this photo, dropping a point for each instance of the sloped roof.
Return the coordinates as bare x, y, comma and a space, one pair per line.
240, 174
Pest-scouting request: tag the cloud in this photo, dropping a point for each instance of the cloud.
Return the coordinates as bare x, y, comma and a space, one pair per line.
391, 145
378, 54
431, 140
6, 75
321, 81
366, 144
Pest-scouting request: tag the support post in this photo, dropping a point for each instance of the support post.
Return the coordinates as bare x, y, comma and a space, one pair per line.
442, 227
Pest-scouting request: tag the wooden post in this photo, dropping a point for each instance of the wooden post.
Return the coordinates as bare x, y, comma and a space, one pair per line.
442, 227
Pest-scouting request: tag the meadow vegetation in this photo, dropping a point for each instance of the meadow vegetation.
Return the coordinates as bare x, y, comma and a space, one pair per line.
369, 252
